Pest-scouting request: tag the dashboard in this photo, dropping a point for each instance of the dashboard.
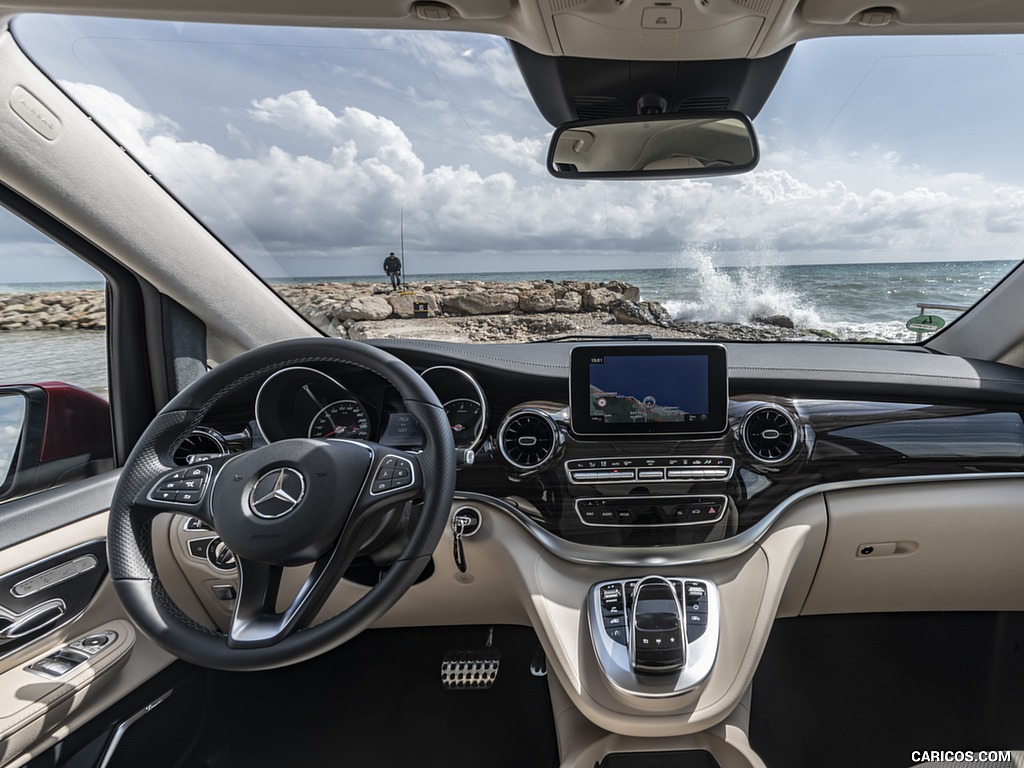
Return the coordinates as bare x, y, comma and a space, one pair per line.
640, 447
652, 549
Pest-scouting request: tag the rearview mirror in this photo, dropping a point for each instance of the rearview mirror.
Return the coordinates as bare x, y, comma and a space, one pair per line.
670, 146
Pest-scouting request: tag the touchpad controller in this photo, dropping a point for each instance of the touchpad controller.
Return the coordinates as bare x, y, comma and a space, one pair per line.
657, 644
655, 635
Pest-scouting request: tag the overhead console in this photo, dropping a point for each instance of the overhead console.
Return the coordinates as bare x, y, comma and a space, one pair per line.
652, 390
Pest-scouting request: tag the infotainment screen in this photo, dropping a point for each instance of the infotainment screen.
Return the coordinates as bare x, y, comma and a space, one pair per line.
665, 389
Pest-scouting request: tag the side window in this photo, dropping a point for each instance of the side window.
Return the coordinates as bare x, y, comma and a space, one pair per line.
54, 414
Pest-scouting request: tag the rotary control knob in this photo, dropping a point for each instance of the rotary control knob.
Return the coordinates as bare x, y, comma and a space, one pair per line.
220, 556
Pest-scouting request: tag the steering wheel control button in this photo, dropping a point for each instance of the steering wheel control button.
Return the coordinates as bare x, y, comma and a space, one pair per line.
394, 472
655, 636
184, 486
277, 493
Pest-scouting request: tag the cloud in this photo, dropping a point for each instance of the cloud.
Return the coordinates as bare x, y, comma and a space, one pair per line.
132, 126
345, 197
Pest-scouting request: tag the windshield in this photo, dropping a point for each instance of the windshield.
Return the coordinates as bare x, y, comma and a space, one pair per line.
316, 154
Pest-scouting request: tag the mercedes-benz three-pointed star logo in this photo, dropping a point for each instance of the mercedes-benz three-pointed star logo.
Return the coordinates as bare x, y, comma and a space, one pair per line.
277, 493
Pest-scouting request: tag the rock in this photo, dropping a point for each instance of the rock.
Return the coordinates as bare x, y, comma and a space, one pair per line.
360, 331
549, 326
639, 313
821, 332
629, 292
365, 308
599, 298
402, 304
570, 301
779, 321
481, 303
537, 301
320, 320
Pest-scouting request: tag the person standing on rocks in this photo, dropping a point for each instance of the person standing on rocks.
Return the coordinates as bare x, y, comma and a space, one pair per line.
393, 269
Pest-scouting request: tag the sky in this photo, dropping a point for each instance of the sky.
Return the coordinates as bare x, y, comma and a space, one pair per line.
309, 151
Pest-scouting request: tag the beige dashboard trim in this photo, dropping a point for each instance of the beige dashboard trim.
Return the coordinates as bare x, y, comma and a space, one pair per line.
943, 547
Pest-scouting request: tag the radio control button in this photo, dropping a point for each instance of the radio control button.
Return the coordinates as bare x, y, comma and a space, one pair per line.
651, 474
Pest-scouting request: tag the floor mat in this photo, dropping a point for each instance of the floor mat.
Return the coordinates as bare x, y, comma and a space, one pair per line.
855, 691
378, 701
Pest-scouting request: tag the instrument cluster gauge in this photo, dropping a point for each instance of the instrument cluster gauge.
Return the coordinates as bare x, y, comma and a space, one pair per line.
464, 403
344, 418
464, 416
304, 402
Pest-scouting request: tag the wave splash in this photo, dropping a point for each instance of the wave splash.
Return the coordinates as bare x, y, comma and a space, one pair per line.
740, 294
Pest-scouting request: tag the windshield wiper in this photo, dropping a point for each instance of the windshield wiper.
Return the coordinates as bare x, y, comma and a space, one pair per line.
596, 337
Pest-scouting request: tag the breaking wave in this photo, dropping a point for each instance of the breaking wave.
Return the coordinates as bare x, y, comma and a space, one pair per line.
738, 295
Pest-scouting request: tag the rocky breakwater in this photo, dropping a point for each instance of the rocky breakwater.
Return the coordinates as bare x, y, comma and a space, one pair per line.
53, 311
476, 310
450, 310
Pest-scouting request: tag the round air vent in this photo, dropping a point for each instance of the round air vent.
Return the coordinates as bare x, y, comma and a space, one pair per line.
200, 442
528, 439
769, 434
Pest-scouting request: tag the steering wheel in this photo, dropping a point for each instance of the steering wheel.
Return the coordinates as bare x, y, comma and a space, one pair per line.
293, 502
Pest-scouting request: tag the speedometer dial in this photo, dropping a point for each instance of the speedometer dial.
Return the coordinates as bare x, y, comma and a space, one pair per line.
464, 416
344, 418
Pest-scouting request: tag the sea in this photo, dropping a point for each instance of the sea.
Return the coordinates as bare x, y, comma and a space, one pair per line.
853, 301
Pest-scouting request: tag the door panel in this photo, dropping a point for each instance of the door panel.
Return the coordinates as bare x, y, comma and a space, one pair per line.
37, 709
49, 593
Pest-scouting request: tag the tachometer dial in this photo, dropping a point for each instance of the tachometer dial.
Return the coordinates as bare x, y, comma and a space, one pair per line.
464, 416
344, 418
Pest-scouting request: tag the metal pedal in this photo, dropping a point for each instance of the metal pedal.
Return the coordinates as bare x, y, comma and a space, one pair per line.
470, 670
539, 663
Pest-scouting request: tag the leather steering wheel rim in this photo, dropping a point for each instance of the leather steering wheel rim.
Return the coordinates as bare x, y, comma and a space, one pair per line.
129, 543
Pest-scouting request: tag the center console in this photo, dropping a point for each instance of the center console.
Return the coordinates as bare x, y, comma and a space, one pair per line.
655, 636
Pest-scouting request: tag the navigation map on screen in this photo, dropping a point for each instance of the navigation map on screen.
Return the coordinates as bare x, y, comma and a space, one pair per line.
648, 390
